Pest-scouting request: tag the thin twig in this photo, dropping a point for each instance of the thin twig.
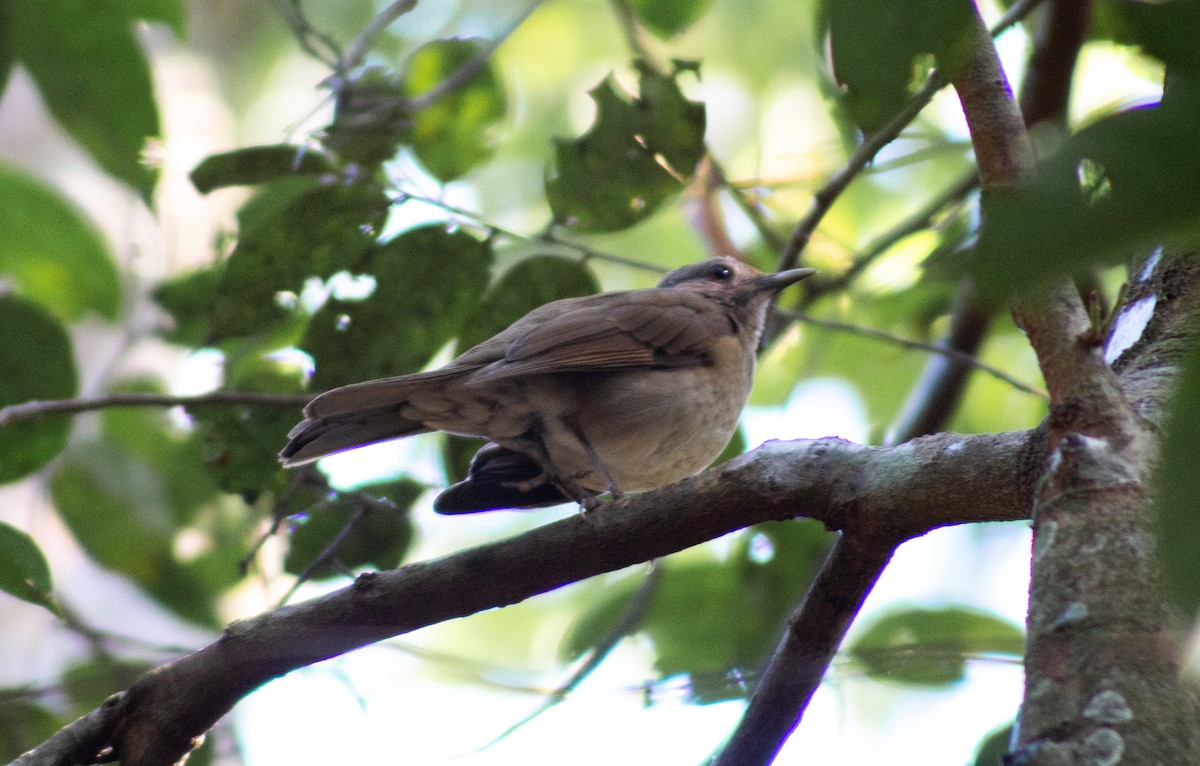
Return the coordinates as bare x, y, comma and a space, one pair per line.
630, 621
809, 643
916, 345
356, 52
305, 33
824, 197
918, 221
472, 66
39, 409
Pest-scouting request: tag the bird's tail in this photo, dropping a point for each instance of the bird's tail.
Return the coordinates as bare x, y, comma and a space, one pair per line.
316, 437
352, 416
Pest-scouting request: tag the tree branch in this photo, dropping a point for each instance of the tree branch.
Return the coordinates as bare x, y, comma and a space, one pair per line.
15, 413
901, 492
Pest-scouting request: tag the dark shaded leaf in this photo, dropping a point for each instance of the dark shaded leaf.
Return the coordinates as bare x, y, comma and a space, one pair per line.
379, 537
876, 45
427, 281
24, 572
371, 118
1166, 30
454, 134
994, 747
532, 282
1178, 500
1122, 183
667, 18
457, 452
930, 647
257, 164
95, 80
611, 177
52, 253
36, 362
188, 298
24, 725
290, 231
709, 618
240, 443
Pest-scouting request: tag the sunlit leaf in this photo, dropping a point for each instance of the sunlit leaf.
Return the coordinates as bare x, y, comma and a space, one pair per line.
455, 133
634, 157
257, 164
52, 253
931, 646
36, 362
24, 572
95, 79
437, 277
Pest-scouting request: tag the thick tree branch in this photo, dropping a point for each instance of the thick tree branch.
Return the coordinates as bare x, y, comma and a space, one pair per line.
813, 634
896, 493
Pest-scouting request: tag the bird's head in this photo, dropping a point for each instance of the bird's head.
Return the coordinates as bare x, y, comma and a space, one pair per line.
731, 281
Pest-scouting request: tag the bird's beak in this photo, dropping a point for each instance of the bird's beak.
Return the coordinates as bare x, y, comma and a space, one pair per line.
781, 279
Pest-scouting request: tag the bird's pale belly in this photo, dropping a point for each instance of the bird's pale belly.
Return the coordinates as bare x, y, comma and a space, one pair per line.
651, 429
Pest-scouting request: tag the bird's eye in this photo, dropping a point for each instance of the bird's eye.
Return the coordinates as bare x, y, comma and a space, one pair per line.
720, 272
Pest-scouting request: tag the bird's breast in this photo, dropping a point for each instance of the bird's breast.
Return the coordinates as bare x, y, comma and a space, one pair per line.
654, 427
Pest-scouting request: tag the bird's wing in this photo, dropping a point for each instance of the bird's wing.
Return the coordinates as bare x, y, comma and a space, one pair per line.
642, 329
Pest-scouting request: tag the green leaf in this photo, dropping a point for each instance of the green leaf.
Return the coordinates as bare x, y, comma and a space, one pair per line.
994, 747
289, 232
1119, 184
436, 276
667, 18
24, 572
240, 444
611, 177
930, 647
456, 132
52, 253
254, 165
149, 435
119, 510
6, 46
1166, 30
95, 80
876, 45
379, 537
742, 605
1178, 499
36, 362
371, 118
189, 298
457, 453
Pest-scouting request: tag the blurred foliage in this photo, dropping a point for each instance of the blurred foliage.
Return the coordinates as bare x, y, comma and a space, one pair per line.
560, 165
931, 646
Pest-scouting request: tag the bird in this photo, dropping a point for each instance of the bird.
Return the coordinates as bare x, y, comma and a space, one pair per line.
613, 392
